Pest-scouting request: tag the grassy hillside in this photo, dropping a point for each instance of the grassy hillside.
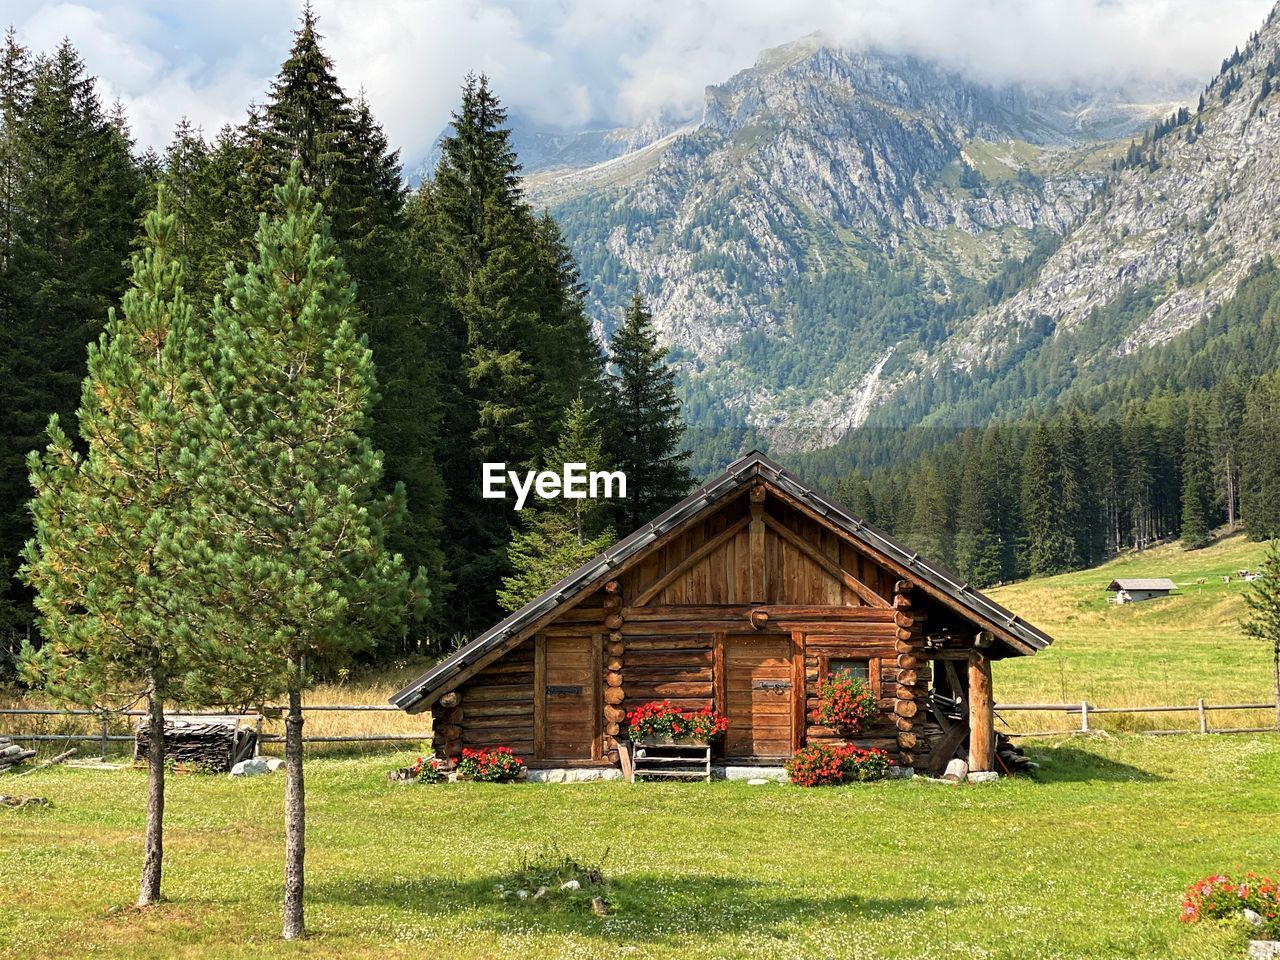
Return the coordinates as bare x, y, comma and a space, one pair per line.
1167, 651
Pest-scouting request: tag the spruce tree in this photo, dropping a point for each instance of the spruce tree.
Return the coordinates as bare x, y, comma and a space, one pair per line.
930, 518
1197, 480
73, 198
288, 521
511, 330
644, 427
1263, 599
106, 600
1260, 461
556, 537
979, 540
1050, 548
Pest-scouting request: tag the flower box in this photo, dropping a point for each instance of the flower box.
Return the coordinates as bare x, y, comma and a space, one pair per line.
670, 742
660, 723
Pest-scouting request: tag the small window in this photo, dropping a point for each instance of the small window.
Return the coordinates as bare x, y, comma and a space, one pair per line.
864, 668
857, 668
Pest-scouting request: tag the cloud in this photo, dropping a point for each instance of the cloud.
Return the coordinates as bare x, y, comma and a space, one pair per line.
565, 63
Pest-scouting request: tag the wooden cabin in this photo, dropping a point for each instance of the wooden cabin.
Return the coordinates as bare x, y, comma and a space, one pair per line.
742, 597
1137, 590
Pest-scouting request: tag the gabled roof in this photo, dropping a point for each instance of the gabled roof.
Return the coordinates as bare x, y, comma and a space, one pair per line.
1151, 583
1016, 632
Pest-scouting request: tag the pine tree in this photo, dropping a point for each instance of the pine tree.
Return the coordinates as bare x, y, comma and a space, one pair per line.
558, 536
344, 156
288, 521
1263, 599
644, 427
102, 517
1197, 480
1050, 548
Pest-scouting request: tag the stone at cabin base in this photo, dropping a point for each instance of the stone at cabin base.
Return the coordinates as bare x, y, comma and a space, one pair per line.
984, 776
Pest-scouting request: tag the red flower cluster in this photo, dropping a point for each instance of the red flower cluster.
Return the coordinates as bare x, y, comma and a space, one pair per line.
664, 720
824, 765
846, 703
1223, 896
426, 770
489, 764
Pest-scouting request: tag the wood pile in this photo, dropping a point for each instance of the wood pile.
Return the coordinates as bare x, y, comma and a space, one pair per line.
11, 754
1010, 757
215, 744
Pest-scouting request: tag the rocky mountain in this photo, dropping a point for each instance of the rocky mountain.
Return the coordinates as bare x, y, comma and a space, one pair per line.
819, 234
1185, 219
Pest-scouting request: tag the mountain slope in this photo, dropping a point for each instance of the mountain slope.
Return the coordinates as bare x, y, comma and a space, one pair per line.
1166, 242
825, 221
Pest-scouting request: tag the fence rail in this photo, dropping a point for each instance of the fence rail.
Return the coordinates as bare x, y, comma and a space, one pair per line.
1083, 709
1086, 710
104, 737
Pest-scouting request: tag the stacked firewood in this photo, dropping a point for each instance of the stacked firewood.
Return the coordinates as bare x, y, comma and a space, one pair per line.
11, 754
214, 744
1011, 756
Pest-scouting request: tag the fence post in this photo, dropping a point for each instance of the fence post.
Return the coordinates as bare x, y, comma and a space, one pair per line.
104, 735
1084, 716
1204, 719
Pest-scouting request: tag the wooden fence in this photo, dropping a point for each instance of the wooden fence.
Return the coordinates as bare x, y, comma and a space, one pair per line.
1085, 710
102, 721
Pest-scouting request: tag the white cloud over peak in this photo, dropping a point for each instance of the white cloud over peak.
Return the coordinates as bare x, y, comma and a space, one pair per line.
564, 63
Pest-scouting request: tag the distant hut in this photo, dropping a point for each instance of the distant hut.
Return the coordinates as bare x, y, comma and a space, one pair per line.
1135, 590
743, 597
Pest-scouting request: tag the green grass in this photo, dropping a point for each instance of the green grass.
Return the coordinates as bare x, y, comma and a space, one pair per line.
1168, 651
1087, 861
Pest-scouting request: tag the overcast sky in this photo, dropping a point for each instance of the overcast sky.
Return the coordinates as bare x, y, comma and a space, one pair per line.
569, 62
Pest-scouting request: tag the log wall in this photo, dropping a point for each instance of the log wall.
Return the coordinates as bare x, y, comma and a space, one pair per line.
661, 623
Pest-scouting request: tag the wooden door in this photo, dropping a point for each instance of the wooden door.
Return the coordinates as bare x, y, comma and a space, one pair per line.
570, 678
758, 696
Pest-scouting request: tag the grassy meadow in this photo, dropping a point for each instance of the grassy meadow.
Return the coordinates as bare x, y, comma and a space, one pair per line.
1087, 860
1165, 652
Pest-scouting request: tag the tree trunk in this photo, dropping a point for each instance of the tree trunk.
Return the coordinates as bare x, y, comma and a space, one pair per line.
294, 815
1275, 674
153, 855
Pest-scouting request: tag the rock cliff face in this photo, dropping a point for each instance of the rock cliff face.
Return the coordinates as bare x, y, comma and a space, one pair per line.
1184, 222
822, 218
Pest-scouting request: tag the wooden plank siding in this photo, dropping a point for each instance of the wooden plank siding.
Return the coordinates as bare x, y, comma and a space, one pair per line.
684, 631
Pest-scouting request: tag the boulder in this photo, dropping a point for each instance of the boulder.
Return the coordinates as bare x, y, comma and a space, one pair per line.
274, 764
984, 776
250, 768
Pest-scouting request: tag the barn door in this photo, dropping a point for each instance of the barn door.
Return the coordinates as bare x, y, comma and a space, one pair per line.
759, 699
568, 672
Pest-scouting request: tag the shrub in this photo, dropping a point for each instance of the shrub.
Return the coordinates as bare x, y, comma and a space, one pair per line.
489, 765
824, 764
664, 720
846, 703
1223, 897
